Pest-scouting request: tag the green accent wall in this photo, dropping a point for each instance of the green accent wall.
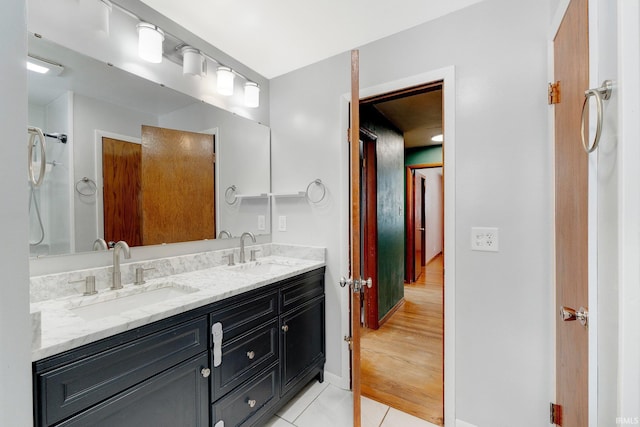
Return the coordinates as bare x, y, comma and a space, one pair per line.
390, 205
422, 155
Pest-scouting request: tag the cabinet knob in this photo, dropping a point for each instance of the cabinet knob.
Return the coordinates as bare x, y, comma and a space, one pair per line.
205, 372
251, 403
251, 355
285, 328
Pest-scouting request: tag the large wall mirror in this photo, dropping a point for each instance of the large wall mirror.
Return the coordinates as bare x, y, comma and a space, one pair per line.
108, 115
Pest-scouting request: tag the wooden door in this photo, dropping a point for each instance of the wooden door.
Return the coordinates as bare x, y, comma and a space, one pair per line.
177, 186
571, 57
354, 246
419, 225
121, 191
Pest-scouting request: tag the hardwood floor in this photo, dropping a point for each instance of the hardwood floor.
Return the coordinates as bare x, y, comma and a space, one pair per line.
402, 362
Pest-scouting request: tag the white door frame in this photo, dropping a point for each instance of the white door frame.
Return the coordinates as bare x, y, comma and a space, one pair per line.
447, 75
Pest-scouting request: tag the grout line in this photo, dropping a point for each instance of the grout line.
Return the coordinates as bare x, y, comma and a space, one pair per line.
307, 407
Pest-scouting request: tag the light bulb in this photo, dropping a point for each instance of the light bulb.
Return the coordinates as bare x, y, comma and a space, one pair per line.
251, 95
150, 40
225, 81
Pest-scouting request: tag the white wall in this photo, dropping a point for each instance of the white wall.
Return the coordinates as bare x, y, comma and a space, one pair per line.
15, 336
502, 179
434, 210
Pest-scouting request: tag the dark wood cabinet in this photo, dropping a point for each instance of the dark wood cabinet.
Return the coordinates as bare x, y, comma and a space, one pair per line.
165, 373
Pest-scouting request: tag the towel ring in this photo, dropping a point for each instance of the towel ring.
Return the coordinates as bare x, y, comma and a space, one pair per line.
603, 92
230, 192
319, 183
91, 186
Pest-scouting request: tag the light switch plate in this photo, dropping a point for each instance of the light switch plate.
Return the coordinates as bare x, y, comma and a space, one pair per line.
484, 239
261, 222
282, 223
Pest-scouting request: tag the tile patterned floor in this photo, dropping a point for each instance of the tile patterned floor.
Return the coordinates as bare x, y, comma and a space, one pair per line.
321, 405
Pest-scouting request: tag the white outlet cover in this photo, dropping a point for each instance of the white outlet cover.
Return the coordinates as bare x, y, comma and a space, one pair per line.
261, 222
484, 239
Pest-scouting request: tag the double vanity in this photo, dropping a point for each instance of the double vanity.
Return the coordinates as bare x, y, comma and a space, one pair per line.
200, 343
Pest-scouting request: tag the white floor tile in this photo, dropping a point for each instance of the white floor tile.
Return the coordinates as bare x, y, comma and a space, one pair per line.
294, 408
372, 412
396, 418
278, 422
333, 407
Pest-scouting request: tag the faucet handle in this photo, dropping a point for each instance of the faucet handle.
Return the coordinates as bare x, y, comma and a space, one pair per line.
230, 257
253, 254
140, 275
89, 285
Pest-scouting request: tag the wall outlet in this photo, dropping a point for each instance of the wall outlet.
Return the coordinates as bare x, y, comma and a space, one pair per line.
484, 239
282, 223
261, 223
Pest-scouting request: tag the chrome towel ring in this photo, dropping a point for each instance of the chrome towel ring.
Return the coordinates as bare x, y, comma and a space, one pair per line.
230, 195
320, 184
90, 187
603, 92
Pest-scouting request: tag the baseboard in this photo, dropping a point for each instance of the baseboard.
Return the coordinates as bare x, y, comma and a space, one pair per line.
460, 423
333, 379
391, 312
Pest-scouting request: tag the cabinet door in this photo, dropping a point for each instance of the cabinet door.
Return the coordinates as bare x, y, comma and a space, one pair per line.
303, 343
176, 397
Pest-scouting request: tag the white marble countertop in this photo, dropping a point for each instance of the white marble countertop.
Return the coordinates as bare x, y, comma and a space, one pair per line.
63, 329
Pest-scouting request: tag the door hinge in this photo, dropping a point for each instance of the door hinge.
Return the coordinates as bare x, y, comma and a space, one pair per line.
349, 135
554, 93
555, 414
349, 341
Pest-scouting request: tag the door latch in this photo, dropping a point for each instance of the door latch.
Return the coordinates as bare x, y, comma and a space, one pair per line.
569, 314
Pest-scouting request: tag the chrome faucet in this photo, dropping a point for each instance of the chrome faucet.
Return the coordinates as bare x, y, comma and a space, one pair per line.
253, 239
100, 245
117, 276
224, 233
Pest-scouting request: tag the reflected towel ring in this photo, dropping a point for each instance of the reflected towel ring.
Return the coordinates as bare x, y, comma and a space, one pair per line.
319, 183
230, 192
33, 132
92, 188
603, 92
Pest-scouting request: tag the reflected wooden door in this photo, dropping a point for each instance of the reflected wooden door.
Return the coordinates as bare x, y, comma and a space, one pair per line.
178, 203
571, 52
418, 206
121, 191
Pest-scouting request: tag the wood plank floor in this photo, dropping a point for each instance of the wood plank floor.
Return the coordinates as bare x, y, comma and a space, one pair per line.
402, 362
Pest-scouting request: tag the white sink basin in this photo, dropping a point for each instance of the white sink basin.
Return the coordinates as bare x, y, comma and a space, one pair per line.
128, 299
261, 268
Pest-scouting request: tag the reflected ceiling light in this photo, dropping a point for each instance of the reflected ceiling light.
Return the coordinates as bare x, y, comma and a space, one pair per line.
225, 81
95, 14
438, 138
193, 62
150, 39
251, 95
42, 66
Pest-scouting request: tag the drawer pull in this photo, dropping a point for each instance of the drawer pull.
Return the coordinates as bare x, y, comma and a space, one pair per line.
205, 372
251, 403
251, 355
285, 328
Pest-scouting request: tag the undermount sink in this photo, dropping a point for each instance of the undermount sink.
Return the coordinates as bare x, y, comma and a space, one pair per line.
128, 299
260, 268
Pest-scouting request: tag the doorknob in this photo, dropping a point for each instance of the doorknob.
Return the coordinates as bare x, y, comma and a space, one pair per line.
569, 314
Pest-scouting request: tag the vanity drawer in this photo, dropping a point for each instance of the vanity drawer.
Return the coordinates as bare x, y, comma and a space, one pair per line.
301, 290
246, 314
249, 402
80, 384
245, 356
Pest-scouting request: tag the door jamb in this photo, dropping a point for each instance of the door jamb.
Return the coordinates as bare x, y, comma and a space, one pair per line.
447, 76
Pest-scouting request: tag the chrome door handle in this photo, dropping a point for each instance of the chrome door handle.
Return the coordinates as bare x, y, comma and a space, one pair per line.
344, 282
569, 314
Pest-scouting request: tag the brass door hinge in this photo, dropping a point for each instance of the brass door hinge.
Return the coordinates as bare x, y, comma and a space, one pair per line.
349, 341
554, 93
555, 415
349, 135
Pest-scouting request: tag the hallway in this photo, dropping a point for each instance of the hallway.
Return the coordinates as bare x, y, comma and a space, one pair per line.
402, 362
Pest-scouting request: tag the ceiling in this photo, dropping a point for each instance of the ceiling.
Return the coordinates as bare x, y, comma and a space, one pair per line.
419, 117
278, 36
